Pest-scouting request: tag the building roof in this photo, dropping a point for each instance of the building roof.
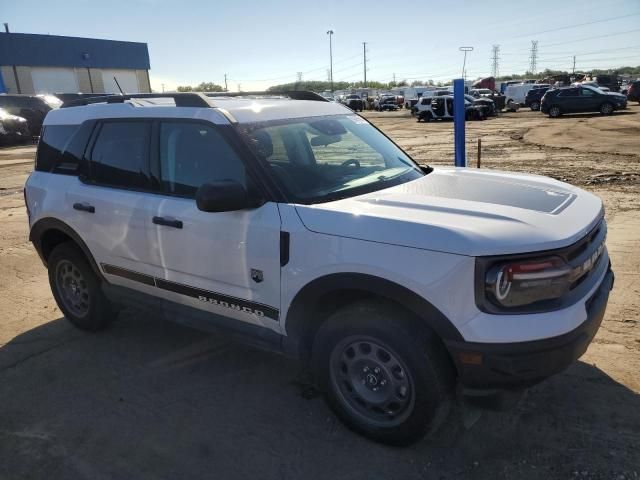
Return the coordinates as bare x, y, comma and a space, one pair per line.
56, 51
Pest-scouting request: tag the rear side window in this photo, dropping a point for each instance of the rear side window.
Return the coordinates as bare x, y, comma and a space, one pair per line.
61, 147
120, 155
569, 92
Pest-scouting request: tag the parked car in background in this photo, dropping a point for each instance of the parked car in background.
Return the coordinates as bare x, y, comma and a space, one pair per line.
442, 109
516, 94
385, 102
581, 99
354, 102
13, 129
30, 107
533, 98
487, 103
633, 92
480, 92
422, 107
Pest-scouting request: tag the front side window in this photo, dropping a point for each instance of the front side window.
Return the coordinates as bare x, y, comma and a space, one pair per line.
320, 159
120, 155
192, 154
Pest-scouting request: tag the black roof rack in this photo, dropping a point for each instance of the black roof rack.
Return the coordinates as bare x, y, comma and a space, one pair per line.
187, 99
292, 94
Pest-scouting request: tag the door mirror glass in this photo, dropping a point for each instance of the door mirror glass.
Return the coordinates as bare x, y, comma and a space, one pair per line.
222, 196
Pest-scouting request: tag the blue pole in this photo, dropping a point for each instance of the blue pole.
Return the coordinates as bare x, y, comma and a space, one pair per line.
3, 88
458, 122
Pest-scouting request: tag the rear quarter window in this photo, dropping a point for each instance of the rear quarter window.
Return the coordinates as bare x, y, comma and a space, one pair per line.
61, 148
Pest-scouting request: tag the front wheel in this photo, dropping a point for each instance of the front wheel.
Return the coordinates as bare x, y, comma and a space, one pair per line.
535, 106
77, 290
554, 112
606, 109
384, 377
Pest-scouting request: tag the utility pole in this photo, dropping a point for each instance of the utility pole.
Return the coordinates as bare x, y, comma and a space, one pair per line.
494, 61
239, 87
163, 88
299, 76
533, 60
573, 70
394, 78
364, 51
330, 33
226, 89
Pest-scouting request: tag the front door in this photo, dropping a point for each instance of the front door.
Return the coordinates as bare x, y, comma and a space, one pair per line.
224, 262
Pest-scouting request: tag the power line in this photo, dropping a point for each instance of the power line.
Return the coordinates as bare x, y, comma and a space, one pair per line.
578, 25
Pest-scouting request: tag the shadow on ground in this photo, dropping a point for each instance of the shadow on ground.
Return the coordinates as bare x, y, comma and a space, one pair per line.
149, 399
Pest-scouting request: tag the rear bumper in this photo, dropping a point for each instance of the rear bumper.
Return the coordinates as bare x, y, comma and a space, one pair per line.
520, 365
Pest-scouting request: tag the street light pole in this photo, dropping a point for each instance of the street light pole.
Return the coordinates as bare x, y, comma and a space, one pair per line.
330, 33
464, 62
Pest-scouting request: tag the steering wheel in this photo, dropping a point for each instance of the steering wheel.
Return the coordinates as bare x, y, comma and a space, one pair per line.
351, 161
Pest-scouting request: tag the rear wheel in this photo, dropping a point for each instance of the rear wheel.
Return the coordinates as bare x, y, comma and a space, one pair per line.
383, 378
606, 109
76, 289
554, 111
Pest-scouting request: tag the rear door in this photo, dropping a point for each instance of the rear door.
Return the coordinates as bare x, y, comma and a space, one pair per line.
108, 205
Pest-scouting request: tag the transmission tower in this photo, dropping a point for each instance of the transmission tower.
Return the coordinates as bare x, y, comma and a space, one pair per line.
494, 61
299, 76
533, 59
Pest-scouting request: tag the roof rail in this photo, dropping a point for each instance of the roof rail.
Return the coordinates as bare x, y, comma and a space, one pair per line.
187, 99
292, 94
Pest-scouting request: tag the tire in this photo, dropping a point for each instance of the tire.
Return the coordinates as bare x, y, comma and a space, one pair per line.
535, 106
606, 108
554, 111
383, 378
76, 289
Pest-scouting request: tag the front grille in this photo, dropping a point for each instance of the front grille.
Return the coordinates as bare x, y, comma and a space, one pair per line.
585, 255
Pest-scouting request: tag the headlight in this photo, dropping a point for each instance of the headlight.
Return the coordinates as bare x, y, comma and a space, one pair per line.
527, 284
523, 282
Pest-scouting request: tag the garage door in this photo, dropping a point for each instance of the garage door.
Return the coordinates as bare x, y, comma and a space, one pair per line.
54, 80
126, 78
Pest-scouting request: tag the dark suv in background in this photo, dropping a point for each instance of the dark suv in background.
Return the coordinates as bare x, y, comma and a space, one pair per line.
29, 107
534, 97
581, 99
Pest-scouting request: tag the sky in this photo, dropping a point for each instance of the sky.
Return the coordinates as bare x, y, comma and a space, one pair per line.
260, 43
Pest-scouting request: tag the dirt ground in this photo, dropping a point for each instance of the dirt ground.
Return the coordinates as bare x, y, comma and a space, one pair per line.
148, 399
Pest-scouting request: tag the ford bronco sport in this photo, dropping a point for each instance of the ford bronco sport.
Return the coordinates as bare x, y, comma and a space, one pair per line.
297, 224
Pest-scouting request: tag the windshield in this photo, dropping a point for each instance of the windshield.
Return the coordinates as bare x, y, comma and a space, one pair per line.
320, 159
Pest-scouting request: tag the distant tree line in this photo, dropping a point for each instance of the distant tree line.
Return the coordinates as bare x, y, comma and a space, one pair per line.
203, 87
323, 86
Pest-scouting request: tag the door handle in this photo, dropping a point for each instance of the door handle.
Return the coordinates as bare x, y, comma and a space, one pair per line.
84, 207
167, 222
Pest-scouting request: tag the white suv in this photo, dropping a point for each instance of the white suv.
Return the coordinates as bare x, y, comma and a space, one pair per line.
300, 226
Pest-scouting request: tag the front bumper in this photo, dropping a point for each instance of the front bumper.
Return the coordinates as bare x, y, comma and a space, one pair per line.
520, 365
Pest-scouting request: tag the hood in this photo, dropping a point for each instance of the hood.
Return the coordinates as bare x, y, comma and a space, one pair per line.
463, 211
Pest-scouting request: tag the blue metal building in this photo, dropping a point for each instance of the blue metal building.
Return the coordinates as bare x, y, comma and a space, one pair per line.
32, 63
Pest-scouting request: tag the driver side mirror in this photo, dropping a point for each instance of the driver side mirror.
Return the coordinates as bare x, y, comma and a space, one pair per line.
222, 196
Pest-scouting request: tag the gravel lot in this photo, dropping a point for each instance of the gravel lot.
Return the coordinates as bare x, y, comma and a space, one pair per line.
149, 399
